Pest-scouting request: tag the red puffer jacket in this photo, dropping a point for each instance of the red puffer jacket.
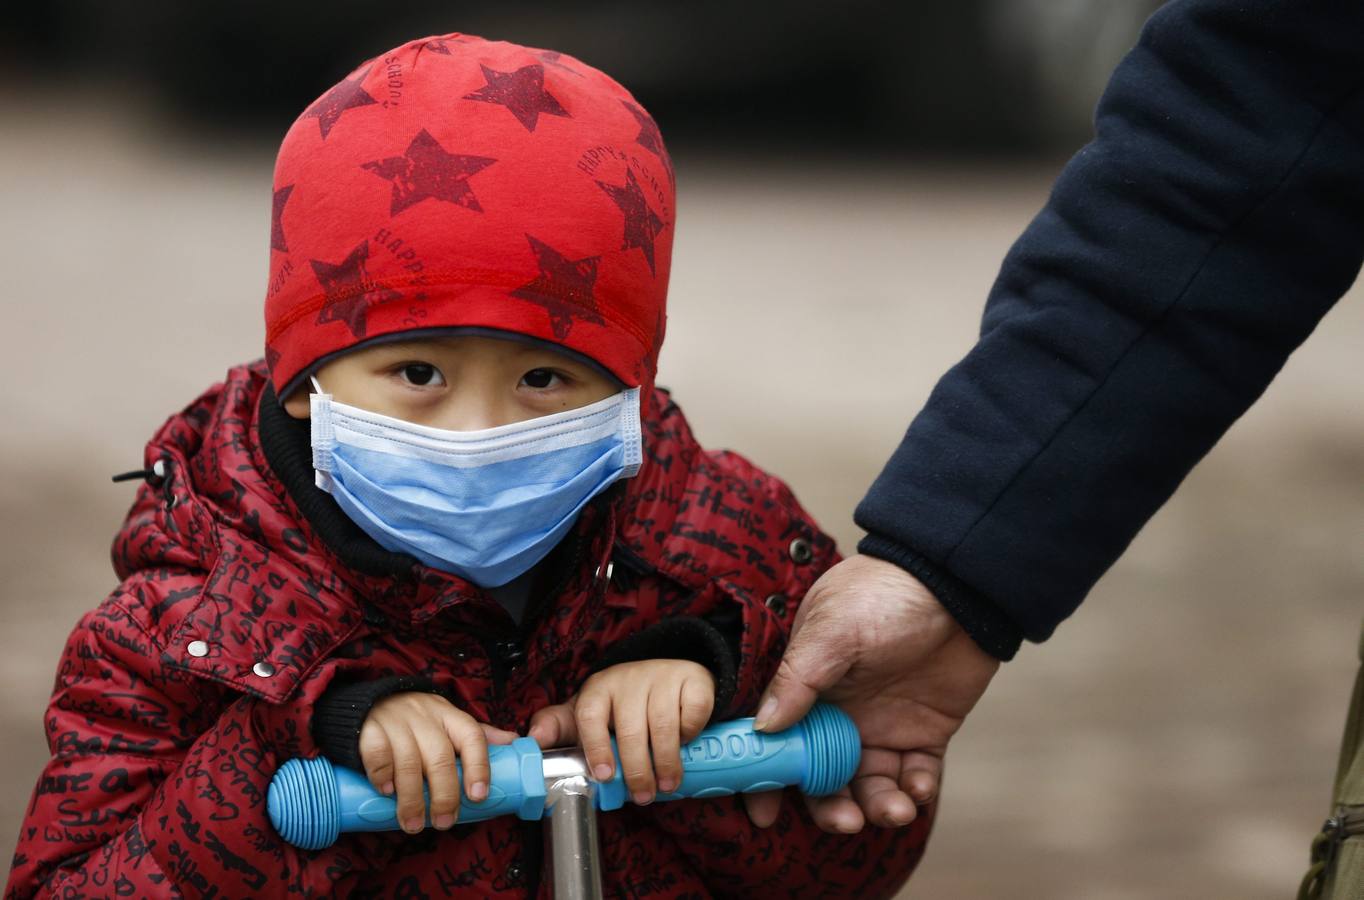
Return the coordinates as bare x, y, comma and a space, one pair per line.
177, 698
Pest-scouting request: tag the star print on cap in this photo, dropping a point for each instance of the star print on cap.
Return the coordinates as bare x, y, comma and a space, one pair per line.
522, 92
349, 291
277, 210
642, 224
426, 170
563, 288
493, 186
328, 108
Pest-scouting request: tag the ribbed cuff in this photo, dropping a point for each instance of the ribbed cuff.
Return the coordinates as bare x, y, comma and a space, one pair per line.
683, 637
341, 711
990, 628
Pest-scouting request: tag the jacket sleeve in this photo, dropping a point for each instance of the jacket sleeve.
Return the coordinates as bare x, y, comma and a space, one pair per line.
341, 711
156, 785
690, 638
1182, 256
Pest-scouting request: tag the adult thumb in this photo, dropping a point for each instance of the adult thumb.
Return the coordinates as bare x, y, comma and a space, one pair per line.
810, 666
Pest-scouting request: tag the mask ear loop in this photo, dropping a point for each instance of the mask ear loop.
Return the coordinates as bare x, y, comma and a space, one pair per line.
322, 436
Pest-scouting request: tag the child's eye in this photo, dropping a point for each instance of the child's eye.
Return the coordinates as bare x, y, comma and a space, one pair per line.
541, 379
421, 374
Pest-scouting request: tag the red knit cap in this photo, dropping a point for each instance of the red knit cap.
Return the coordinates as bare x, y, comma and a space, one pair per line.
459, 182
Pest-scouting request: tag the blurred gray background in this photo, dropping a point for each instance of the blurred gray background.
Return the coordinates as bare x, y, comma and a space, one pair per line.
849, 178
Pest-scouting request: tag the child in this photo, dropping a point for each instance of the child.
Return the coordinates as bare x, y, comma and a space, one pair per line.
450, 506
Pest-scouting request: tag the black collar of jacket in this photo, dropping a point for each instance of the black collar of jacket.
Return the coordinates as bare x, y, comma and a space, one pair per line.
287, 445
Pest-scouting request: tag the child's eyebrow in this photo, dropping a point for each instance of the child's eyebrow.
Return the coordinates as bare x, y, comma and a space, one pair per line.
525, 350
549, 359
410, 348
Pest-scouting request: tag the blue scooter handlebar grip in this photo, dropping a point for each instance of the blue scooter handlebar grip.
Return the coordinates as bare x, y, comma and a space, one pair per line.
818, 755
311, 802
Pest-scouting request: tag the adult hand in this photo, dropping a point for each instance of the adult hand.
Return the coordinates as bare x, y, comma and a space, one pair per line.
871, 638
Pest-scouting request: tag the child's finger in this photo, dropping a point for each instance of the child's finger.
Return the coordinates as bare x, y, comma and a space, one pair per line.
554, 726
663, 713
377, 756
407, 778
438, 763
697, 703
592, 716
631, 716
467, 737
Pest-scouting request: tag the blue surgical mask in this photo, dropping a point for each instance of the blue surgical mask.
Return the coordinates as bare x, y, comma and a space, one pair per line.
486, 505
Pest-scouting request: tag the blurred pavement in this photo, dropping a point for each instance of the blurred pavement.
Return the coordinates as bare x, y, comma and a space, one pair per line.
1176, 739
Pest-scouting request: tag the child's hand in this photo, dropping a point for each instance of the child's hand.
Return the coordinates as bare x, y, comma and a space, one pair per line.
411, 733
658, 703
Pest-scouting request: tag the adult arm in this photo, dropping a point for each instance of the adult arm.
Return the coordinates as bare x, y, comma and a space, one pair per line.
1182, 256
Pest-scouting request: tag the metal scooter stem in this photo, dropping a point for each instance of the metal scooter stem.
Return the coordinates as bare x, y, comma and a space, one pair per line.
570, 796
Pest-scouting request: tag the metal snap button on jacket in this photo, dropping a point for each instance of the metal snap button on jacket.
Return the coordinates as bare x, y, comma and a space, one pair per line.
801, 552
263, 669
776, 603
197, 649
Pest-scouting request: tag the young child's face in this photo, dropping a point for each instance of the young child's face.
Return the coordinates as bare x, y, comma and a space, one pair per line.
460, 383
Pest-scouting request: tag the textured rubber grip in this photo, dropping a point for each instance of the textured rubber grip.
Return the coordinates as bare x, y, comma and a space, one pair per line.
833, 750
819, 755
311, 802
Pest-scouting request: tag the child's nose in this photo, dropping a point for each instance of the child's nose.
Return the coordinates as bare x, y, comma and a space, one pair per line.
476, 421
472, 410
